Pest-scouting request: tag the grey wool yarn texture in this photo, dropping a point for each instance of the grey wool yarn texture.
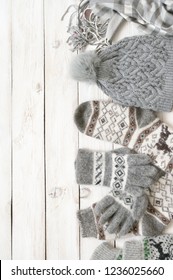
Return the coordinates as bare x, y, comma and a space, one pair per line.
135, 128
143, 132
127, 175
137, 74
126, 207
149, 248
112, 216
137, 71
120, 213
120, 170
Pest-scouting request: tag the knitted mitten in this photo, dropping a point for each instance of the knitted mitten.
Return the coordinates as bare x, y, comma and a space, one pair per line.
138, 129
107, 252
137, 71
112, 215
119, 171
149, 248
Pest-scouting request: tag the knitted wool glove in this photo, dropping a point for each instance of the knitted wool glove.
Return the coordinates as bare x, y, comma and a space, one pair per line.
137, 71
138, 129
112, 215
155, 248
117, 170
149, 221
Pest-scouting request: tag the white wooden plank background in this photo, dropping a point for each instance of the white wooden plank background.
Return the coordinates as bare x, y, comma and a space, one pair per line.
5, 129
28, 212
62, 193
39, 196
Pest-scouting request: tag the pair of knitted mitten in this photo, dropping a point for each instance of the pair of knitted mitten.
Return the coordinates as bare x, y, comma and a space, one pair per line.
137, 71
127, 175
132, 127
149, 248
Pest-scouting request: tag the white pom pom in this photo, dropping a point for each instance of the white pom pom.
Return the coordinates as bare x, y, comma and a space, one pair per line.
84, 67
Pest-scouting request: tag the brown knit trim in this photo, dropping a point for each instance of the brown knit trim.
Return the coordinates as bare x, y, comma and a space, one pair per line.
132, 126
153, 211
135, 229
99, 227
169, 168
93, 119
145, 133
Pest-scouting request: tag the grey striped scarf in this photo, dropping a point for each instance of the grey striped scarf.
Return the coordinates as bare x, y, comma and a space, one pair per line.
96, 22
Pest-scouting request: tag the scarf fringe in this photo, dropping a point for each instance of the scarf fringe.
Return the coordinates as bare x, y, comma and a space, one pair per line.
87, 29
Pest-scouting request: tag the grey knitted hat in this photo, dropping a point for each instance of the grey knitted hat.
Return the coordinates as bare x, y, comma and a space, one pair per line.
137, 71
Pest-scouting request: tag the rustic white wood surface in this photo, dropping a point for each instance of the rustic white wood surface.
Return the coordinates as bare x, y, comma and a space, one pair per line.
39, 196
28, 185
5, 129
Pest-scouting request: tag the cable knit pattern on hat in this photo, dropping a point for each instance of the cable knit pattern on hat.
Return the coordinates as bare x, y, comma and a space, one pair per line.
136, 71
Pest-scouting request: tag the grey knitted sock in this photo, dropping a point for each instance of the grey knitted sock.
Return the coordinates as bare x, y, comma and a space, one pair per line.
106, 252
137, 71
111, 215
135, 128
119, 171
155, 248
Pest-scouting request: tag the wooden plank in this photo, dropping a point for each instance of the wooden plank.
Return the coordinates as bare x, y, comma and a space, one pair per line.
5, 129
28, 231
61, 138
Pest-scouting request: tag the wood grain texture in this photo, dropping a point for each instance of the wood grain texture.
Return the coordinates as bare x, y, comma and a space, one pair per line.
28, 232
5, 129
62, 197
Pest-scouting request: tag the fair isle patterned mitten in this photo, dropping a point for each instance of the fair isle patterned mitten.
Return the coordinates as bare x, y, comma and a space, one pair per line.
135, 128
149, 248
131, 173
111, 216
137, 71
